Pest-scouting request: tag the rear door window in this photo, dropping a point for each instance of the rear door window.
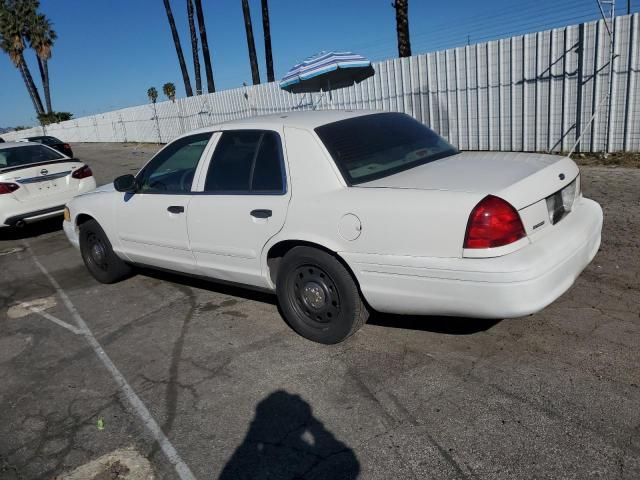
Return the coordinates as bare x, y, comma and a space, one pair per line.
247, 162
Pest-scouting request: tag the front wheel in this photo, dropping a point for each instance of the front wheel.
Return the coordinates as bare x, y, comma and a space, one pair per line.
318, 296
98, 255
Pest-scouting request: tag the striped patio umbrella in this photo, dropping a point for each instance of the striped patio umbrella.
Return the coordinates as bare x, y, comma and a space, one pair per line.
327, 71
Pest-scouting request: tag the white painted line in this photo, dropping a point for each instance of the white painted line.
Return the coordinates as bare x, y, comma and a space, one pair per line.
182, 469
38, 306
57, 321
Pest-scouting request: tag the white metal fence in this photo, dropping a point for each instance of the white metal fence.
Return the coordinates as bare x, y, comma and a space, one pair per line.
533, 92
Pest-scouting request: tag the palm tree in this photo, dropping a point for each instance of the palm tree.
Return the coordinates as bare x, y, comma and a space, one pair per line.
267, 40
402, 27
14, 16
253, 58
41, 38
176, 42
152, 93
205, 46
194, 47
169, 89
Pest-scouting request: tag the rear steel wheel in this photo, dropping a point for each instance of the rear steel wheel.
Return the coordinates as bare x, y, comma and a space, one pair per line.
318, 296
315, 295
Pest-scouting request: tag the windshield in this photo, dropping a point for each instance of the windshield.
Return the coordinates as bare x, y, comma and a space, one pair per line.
374, 146
17, 156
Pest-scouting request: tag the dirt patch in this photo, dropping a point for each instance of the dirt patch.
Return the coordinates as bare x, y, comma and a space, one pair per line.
125, 464
112, 472
25, 309
618, 159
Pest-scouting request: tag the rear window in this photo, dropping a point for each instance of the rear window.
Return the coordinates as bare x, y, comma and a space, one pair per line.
45, 140
375, 146
18, 156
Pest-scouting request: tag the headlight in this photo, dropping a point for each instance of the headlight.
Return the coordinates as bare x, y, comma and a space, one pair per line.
67, 214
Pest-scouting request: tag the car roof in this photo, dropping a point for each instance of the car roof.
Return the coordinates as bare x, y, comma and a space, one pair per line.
308, 119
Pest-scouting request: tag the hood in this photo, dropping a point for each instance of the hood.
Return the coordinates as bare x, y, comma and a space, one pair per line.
474, 172
107, 188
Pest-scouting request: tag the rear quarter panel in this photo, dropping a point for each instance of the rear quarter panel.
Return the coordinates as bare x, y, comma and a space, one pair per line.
393, 221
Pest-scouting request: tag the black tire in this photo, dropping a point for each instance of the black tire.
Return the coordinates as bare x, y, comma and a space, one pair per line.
318, 296
98, 256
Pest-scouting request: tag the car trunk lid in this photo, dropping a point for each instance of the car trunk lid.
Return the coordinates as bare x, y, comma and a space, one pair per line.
525, 180
47, 179
520, 175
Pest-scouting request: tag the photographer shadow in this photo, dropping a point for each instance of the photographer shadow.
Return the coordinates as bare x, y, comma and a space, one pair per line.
286, 441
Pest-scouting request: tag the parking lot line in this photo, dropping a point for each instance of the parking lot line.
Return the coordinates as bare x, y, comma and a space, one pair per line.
182, 469
57, 321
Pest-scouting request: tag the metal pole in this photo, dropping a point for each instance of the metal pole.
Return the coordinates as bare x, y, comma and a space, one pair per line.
587, 125
612, 15
155, 116
124, 127
607, 97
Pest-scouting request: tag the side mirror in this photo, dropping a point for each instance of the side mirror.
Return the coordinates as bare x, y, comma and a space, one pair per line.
126, 184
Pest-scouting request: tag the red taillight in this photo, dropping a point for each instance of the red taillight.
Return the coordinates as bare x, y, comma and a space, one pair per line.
8, 187
493, 223
82, 172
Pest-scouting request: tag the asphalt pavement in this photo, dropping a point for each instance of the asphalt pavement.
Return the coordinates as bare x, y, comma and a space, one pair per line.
235, 393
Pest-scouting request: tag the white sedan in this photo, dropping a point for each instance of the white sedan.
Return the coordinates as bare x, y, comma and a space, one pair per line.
341, 212
37, 181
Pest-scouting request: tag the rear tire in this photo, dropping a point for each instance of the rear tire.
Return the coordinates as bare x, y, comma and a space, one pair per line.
318, 296
98, 255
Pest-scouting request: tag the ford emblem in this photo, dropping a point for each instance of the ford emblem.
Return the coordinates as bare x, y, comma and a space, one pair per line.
44, 171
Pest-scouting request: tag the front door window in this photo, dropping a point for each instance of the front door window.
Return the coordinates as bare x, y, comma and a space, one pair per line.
172, 170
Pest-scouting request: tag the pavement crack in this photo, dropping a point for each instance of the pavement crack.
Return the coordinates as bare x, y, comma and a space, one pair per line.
173, 385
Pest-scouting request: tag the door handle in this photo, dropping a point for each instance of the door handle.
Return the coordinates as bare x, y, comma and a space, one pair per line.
175, 209
261, 213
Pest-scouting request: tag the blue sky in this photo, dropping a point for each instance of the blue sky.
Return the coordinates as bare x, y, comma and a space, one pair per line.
110, 51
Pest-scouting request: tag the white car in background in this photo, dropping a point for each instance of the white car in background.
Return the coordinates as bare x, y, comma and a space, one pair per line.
341, 212
37, 181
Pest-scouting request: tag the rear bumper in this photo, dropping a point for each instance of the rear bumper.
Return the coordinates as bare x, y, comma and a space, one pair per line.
35, 215
517, 284
13, 210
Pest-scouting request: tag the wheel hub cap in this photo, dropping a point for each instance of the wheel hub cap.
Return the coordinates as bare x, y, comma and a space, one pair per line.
97, 252
314, 295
